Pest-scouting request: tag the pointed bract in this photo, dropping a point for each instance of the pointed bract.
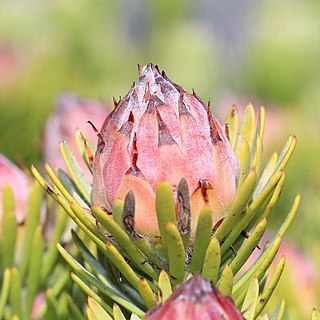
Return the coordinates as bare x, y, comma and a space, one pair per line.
159, 132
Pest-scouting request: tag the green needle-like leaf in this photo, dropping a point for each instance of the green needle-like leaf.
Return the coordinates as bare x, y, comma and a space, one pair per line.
9, 228
35, 201
117, 313
125, 242
252, 210
250, 301
246, 250
4, 290
258, 268
85, 146
225, 282
243, 154
237, 207
315, 315
34, 269
266, 174
211, 265
164, 286
248, 124
15, 292
279, 312
165, 206
257, 156
290, 216
202, 240
117, 209
90, 293
75, 170
176, 252
121, 264
232, 121
97, 311
267, 292
286, 153
146, 293
52, 254
51, 312
98, 269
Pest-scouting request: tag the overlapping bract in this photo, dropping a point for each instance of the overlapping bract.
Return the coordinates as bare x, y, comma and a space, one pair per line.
196, 299
159, 132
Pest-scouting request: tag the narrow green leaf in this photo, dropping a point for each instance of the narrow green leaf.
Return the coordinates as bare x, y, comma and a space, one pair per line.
225, 282
58, 183
211, 265
251, 212
237, 208
51, 311
134, 317
243, 154
315, 315
232, 121
286, 153
123, 267
246, 250
88, 220
74, 310
4, 290
248, 124
164, 286
257, 156
261, 122
146, 293
250, 301
117, 209
176, 252
165, 208
273, 200
98, 311
267, 292
75, 170
118, 260
52, 254
259, 267
98, 269
202, 240
290, 216
279, 312
35, 202
266, 174
90, 293
34, 269
84, 146
9, 227
124, 241
15, 292
117, 313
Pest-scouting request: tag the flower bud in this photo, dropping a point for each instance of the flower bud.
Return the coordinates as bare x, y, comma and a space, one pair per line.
196, 299
16, 178
159, 132
71, 113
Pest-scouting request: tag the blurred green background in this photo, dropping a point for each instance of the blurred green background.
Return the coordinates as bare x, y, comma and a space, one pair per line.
265, 52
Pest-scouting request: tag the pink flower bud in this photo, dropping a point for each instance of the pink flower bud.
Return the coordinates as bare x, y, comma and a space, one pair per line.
71, 113
13, 176
196, 299
159, 132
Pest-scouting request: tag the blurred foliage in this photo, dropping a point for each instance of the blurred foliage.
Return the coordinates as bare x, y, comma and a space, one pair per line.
92, 48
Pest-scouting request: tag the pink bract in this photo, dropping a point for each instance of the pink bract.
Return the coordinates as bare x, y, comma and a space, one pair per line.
71, 113
159, 132
196, 299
